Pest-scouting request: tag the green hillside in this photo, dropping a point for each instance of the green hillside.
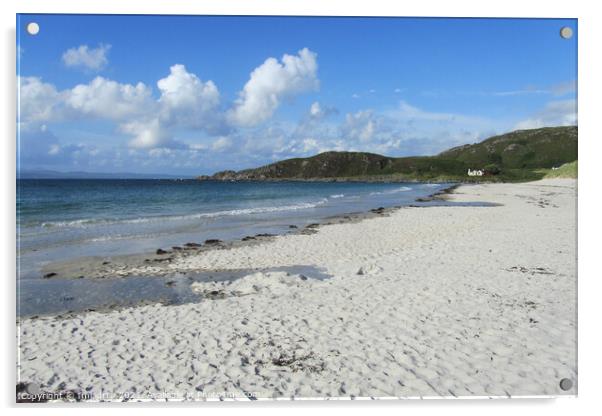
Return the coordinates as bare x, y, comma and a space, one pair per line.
516, 156
538, 148
568, 170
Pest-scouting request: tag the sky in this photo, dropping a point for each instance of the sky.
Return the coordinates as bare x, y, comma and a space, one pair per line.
191, 95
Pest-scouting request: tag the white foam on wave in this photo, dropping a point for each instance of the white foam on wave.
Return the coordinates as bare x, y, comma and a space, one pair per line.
105, 238
82, 223
392, 191
335, 196
73, 223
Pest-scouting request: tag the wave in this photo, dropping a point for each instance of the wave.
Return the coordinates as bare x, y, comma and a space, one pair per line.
335, 196
82, 223
392, 191
104, 238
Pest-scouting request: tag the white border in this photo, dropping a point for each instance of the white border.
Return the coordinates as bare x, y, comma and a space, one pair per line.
590, 137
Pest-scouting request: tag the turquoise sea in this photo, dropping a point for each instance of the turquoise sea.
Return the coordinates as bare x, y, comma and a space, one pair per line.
60, 219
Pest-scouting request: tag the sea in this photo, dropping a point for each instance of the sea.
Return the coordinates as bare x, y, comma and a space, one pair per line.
63, 219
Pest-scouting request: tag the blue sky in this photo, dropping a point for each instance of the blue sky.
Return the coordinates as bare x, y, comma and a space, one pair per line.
194, 94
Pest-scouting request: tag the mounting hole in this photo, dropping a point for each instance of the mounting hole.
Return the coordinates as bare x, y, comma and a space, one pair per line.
33, 28
566, 32
566, 384
33, 389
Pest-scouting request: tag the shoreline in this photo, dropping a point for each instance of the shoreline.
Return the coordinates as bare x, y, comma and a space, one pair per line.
438, 302
99, 268
462, 180
150, 263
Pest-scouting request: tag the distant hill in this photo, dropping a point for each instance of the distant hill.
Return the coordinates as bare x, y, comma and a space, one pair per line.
538, 148
519, 155
51, 174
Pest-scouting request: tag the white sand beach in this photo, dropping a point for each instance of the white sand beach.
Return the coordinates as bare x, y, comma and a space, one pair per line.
436, 301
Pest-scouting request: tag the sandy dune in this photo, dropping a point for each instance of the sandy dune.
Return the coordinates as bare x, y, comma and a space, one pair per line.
451, 301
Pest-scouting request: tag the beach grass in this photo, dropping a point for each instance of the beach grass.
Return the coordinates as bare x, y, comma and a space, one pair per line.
568, 170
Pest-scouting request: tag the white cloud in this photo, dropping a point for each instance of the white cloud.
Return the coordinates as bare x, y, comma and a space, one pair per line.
104, 98
269, 139
160, 153
413, 116
38, 101
564, 88
40, 148
148, 134
555, 113
54, 149
429, 132
560, 89
186, 100
315, 123
182, 89
221, 144
318, 112
360, 126
89, 58
404, 130
198, 146
310, 145
270, 83
315, 110
407, 111
100, 98
520, 92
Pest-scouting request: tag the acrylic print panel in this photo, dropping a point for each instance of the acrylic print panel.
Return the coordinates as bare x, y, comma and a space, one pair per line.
220, 207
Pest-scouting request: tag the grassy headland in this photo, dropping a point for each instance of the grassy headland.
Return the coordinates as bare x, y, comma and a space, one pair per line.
568, 170
522, 155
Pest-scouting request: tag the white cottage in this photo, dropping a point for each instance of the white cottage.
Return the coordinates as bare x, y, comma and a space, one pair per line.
475, 172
